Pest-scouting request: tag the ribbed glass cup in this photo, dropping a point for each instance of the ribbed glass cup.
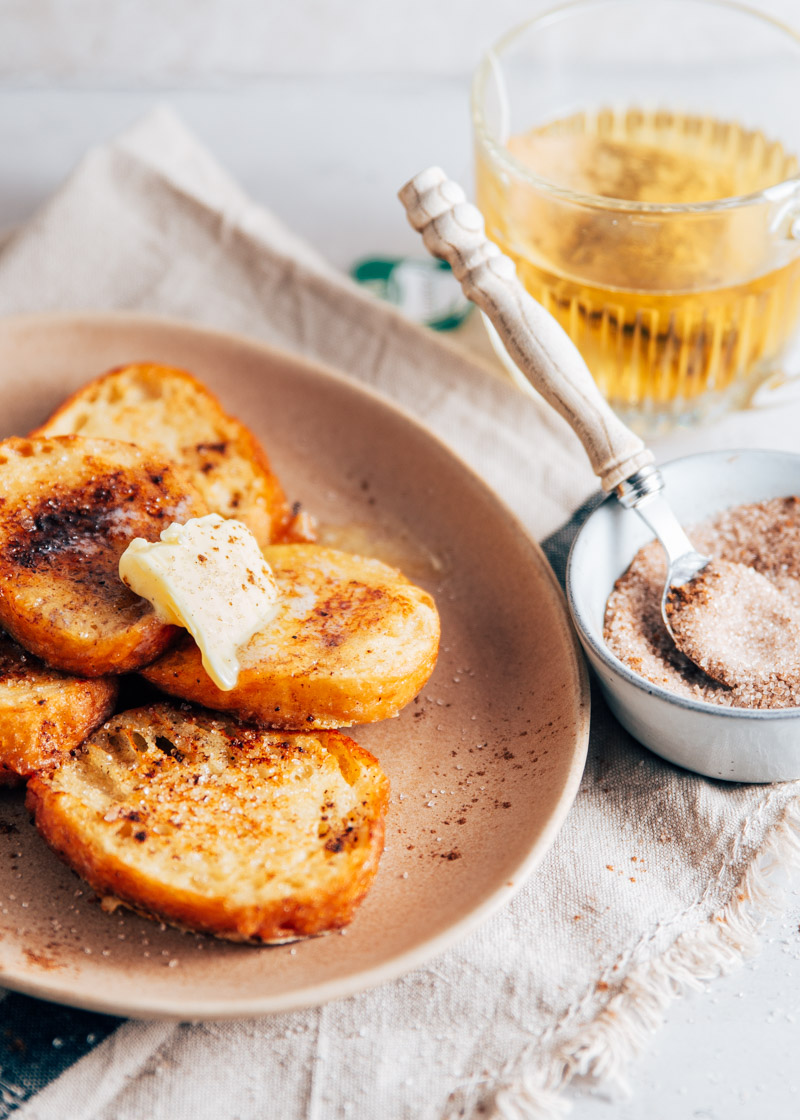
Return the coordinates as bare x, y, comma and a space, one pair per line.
638, 161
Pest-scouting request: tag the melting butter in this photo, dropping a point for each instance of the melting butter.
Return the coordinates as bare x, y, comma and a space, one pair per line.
208, 576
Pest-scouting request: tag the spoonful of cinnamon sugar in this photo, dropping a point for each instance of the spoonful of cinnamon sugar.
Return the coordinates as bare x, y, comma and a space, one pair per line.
738, 627
727, 618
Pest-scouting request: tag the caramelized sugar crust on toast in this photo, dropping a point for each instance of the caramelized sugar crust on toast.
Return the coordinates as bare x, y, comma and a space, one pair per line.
44, 714
353, 641
208, 824
168, 411
69, 508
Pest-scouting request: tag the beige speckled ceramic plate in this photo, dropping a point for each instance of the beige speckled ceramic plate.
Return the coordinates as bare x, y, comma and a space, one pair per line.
484, 765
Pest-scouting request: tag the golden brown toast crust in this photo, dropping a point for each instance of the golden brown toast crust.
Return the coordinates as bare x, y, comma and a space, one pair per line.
169, 411
44, 713
210, 825
353, 642
69, 508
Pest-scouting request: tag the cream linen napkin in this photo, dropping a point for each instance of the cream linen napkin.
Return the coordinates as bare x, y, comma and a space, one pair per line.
653, 883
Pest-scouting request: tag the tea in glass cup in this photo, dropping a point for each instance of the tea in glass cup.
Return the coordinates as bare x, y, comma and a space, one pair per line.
638, 162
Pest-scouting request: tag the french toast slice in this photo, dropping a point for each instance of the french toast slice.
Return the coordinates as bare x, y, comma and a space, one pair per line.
70, 506
44, 714
352, 642
167, 410
210, 825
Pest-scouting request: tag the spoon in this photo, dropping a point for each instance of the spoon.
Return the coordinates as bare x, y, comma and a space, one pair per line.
695, 588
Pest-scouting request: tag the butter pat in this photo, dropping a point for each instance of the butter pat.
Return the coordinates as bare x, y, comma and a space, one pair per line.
208, 576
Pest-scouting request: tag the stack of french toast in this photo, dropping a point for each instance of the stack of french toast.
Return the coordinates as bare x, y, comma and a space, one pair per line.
243, 813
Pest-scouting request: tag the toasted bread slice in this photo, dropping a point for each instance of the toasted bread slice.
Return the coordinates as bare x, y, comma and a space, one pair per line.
210, 825
352, 642
70, 506
44, 714
169, 411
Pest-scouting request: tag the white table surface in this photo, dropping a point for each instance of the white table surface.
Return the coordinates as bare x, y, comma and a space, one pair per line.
327, 155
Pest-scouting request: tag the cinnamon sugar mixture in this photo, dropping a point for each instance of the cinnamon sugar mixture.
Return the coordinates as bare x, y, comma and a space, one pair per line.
742, 628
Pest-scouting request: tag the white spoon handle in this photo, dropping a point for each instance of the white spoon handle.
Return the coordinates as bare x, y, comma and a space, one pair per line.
453, 229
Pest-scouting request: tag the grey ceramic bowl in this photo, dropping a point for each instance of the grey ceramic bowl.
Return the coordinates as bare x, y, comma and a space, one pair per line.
734, 744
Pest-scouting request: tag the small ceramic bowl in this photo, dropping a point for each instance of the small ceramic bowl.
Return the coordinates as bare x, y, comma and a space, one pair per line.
735, 744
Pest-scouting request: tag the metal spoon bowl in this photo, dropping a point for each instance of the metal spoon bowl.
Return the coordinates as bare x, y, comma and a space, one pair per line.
684, 562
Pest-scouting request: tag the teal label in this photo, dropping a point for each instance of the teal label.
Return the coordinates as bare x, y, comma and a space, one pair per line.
424, 290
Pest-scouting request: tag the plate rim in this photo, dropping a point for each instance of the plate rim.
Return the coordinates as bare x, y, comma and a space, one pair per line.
363, 980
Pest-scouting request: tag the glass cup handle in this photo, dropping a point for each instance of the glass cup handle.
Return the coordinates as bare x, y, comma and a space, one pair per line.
781, 387
785, 224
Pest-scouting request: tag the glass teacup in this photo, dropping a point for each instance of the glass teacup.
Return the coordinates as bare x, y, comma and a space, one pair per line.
638, 161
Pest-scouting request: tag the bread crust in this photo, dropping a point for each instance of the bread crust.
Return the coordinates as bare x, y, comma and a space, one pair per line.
44, 714
69, 509
169, 411
353, 642
207, 824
